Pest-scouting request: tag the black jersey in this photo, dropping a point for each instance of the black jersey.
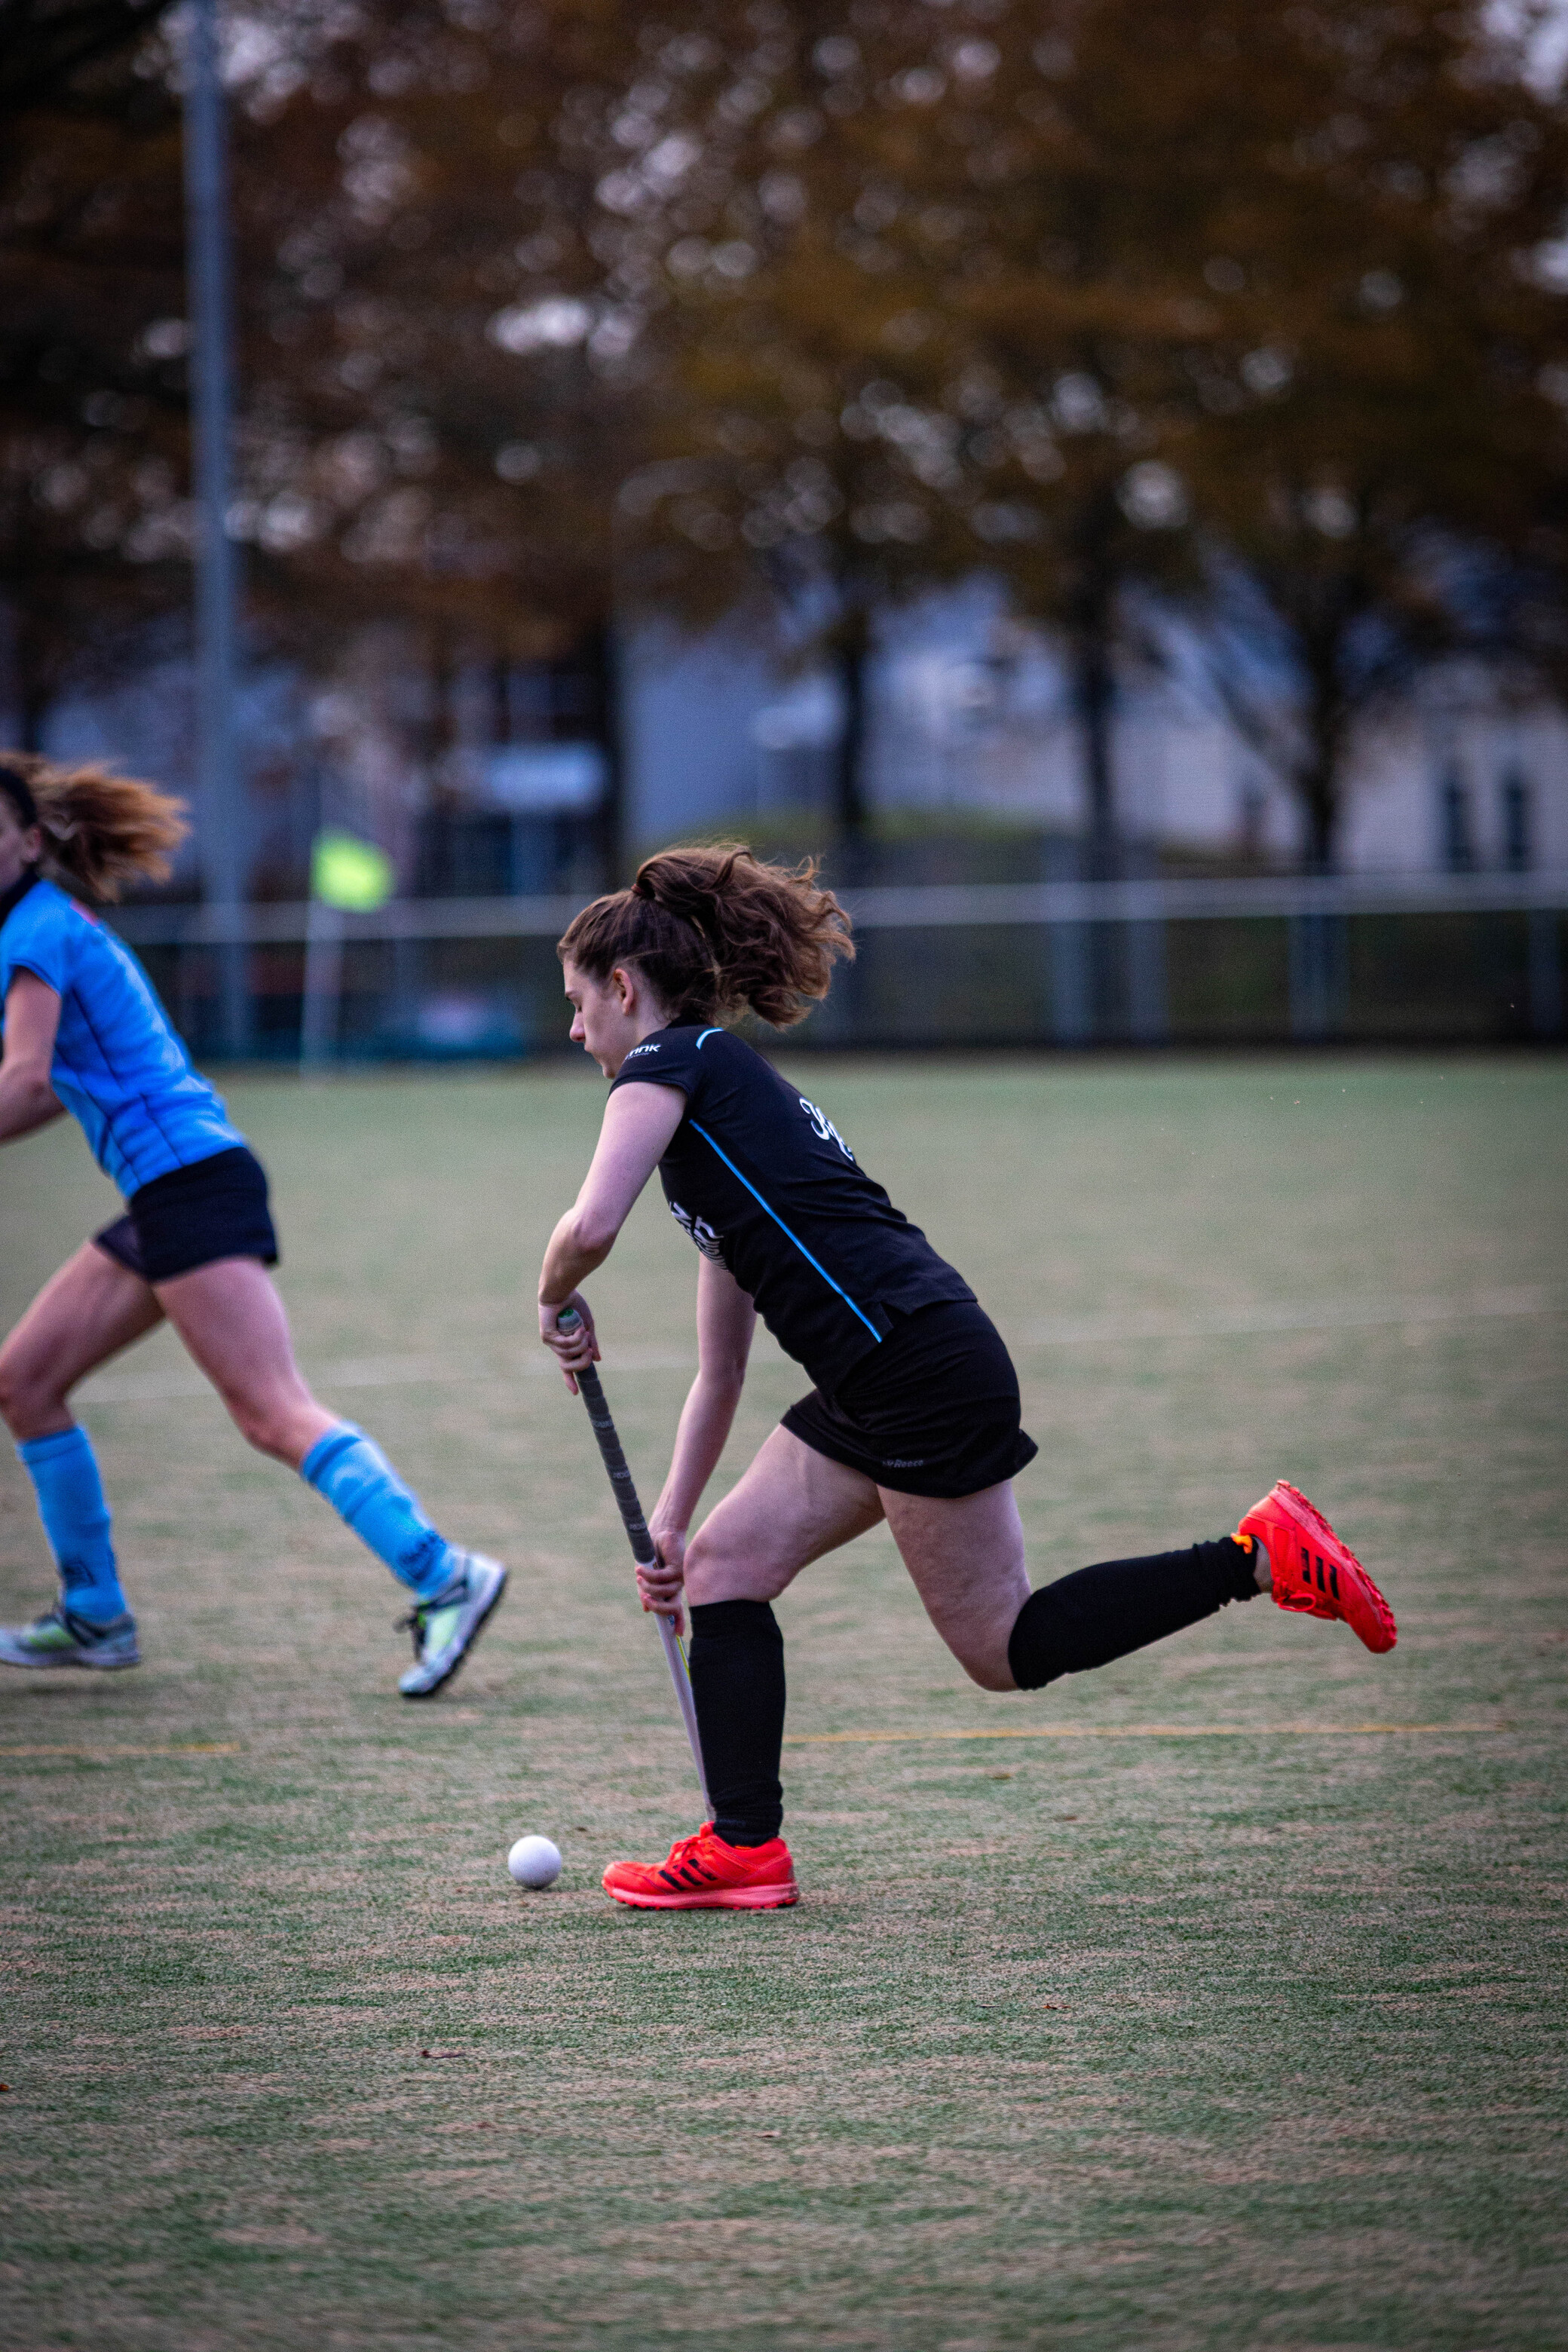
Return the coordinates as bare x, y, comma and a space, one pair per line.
764, 1184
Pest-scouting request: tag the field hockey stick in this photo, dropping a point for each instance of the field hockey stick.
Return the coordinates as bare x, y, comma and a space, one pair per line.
642, 1543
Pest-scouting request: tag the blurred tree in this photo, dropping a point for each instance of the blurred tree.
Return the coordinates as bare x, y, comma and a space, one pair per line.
430, 426
1264, 300
393, 378
93, 525
794, 363
1227, 306
48, 47
1227, 303
886, 362
1070, 195
436, 407
1379, 429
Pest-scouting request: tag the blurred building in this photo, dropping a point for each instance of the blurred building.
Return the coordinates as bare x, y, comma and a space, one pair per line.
496, 781
485, 781
971, 724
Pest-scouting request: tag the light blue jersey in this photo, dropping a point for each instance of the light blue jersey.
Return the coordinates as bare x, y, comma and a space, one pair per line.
118, 1067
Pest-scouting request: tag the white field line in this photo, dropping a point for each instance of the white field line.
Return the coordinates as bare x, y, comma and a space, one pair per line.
1230, 1322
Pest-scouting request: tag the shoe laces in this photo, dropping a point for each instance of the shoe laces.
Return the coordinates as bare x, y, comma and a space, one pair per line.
422, 1611
84, 1630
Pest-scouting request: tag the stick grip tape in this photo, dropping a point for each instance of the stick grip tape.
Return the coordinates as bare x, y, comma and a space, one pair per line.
615, 1461
612, 1454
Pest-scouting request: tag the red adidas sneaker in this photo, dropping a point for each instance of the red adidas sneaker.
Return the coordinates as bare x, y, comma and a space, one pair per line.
1315, 1574
703, 1873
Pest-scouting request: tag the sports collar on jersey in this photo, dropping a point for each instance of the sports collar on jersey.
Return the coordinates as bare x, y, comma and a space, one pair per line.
11, 898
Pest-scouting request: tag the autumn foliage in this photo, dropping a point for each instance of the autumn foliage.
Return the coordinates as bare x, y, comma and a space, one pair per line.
1237, 310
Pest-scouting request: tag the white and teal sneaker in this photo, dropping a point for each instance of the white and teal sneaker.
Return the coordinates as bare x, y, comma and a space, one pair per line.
59, 1638
446, 1628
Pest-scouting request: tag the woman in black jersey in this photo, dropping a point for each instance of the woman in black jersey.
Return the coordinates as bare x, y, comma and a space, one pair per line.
914, 1414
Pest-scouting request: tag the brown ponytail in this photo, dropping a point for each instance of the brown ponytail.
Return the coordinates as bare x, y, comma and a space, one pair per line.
98, 830
716, 931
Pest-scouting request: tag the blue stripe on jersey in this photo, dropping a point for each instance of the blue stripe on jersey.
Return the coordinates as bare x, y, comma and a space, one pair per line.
701, 1042
783, 1229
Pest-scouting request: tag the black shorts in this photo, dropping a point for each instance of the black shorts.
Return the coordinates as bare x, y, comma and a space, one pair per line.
215, 1208
933, 1411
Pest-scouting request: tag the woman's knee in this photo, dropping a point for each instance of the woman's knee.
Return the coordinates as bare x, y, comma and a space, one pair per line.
716, 1572
266, 1424
26, 1401
991, 1673
982, 1651
708, 1569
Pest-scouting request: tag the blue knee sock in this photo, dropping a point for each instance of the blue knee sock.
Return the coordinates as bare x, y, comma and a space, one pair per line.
354, 1473
76, 1520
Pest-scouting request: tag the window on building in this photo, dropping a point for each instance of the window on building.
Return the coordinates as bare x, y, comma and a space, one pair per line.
1514, 794
1459, 843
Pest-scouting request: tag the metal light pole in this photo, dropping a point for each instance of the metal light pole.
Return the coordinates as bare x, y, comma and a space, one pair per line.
222, 803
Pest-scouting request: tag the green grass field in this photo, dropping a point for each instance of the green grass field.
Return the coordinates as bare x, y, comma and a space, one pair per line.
1216, 2018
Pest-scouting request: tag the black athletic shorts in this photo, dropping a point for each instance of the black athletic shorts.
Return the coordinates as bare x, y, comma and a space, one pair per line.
215, 1208
933, 1411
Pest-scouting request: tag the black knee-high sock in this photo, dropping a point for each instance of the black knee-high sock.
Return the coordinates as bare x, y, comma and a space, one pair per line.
1100, 1613
738, 1683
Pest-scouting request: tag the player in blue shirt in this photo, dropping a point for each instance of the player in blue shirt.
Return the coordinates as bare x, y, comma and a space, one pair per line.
914, 1414
85, 1032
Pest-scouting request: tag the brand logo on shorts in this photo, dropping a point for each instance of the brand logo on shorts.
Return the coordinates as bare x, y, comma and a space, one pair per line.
904, 1462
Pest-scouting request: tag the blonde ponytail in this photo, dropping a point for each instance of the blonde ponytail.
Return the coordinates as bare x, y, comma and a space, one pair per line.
100, 831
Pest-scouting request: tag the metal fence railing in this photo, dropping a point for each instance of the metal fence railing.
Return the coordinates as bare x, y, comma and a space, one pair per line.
1443, 957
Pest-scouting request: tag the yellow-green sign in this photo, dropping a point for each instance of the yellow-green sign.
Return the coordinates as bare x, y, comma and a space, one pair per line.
348, 873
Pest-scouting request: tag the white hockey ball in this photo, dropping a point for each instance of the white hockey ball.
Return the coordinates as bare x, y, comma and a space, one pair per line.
535, 1862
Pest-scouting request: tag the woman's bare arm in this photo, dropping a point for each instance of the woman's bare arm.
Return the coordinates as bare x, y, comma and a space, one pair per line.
28, 1100
638, 1124
726, 1321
